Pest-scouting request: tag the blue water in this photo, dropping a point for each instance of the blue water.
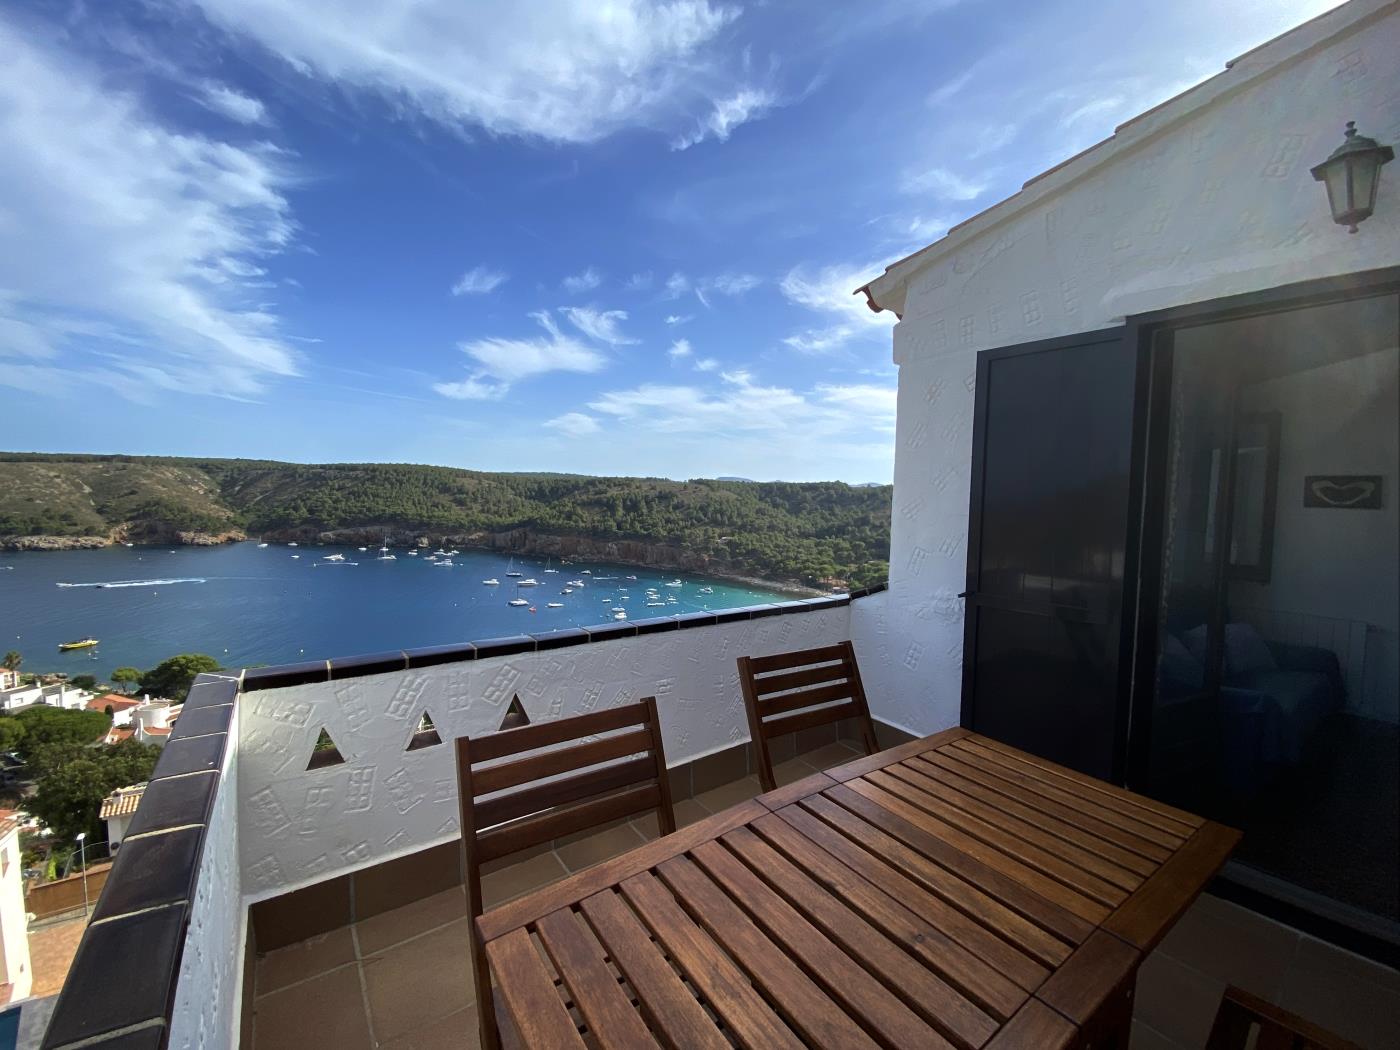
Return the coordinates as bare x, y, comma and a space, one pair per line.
247, 605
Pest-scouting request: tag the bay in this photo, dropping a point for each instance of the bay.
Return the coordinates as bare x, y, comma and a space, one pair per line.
245, 605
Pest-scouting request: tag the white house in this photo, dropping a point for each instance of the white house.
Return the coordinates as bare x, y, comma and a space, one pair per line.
1145, 512
118, 810
15, 970
152, 721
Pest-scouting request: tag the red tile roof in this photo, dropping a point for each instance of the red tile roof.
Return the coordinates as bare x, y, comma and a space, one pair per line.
115, 701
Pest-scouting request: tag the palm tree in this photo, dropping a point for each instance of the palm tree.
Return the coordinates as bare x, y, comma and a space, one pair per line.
12, 660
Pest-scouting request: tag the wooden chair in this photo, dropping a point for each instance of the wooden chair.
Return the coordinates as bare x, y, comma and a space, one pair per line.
1241, 1015
782, 694
514, 794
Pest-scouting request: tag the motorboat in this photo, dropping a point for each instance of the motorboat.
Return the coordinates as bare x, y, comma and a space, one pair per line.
531, 582
492, 582
261, 545
620, 615
387, 557
335, 557
675, 583
293, 544
632, 578
81, 643
554, 605
445, 561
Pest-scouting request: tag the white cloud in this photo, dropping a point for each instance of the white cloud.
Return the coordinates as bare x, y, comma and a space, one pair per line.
226, 101
574, 424
583, 282
601, 325
479, 280
729, 113
552, 69
827, 291
150, 244
502, 362
677, 285
733, 283
706, 364
942, 184
678, 318
680, 348
639, 282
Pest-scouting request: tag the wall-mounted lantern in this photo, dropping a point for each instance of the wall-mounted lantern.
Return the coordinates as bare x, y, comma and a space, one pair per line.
1352, 173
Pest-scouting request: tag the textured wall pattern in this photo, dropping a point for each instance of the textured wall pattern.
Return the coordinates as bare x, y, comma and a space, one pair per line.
302, 826
206, 1012
1216, 204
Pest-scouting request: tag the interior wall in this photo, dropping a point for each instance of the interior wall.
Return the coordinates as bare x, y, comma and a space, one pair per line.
1340, 418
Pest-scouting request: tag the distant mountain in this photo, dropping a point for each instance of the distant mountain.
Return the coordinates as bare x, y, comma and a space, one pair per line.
815, 534
726, 478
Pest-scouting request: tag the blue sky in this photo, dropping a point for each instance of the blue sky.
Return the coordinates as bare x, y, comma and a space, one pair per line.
608, 238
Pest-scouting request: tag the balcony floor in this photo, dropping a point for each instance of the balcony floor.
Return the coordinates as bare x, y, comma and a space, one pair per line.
403, 981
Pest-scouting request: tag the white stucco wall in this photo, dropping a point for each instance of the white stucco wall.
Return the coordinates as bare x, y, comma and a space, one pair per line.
15, 967
300, 826
207, 1014
1206, 197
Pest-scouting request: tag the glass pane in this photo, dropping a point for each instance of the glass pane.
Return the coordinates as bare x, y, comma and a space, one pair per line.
1277, 707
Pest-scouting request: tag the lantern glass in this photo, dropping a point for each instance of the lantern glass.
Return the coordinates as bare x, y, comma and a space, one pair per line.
1364, 172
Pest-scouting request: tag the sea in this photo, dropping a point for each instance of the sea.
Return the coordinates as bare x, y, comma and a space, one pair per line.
246, 605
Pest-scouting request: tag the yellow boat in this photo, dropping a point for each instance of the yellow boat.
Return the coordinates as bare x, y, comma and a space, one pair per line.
82, 643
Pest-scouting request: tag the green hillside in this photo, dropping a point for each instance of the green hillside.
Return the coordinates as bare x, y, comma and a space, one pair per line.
808, 532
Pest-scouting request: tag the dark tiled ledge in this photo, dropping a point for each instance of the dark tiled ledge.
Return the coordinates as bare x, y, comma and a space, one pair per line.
380, 663
143, 911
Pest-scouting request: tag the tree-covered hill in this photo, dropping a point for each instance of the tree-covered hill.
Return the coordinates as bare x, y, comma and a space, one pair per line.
807, 532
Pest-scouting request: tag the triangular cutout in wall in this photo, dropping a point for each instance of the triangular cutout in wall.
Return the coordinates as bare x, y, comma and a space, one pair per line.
515, 715
426, 735
325, 753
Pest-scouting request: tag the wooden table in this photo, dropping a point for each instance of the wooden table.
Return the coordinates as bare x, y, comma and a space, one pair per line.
952, 891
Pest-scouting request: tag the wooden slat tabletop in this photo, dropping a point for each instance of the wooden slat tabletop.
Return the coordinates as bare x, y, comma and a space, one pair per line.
950, 892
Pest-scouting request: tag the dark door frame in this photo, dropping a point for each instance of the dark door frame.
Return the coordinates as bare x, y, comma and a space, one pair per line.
1118, 334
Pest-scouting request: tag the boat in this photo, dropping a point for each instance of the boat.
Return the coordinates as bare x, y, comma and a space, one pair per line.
575, 583
81, 643
261, 545
492, 582
675, 583
566, 590
362, 548
620, 615
413, 554
511, 569
554, 605
588, 572
293, 544
656, 605
387, 557
454, 550
517, 602
296, 555
531, 582
617, 609
707, 590
547, 563
440, 553
384, 547
445, 561
631, 577
335, 557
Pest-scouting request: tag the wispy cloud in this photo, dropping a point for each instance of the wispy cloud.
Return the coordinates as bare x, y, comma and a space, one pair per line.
552, 69
224, 100
679, 349
574, 424
584, 281
601, 325
479, 280
676, 319
827, 291
942, 184
677, 285
502, 362
707, 364
151, 244
743, 106
639, 282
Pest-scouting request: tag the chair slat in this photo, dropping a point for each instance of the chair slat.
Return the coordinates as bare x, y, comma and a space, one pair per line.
809, 719
777, 683
531, 831
501, 808
783, 661
543, 734
824, 694
560, 760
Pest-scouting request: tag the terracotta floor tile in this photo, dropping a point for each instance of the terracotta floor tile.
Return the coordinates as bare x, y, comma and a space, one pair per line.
307, 958
721, 798
392, 927
326, 1011
600, 846
421, 981
52, 946
537, 871
1176, 1001
454, 1032
687, 811
792, 770
831, 755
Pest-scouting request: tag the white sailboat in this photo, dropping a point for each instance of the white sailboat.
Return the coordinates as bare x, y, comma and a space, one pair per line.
383, 547
511, 569
547, 563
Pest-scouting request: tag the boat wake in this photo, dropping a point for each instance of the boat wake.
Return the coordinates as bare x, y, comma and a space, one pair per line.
138, 583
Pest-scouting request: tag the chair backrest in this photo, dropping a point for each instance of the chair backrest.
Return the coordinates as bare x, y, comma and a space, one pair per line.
802, 690
1246, 1021
521, 787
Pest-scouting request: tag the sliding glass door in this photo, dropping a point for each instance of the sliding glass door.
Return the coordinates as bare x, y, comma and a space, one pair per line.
1275, 695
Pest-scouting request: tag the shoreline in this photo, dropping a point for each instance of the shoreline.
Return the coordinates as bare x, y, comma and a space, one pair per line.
51, 544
